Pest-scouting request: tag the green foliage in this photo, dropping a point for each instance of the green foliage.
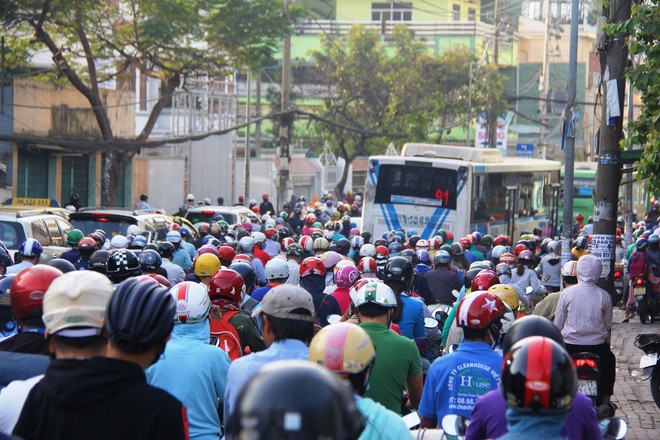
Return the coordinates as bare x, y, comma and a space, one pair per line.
17, 55
643, 32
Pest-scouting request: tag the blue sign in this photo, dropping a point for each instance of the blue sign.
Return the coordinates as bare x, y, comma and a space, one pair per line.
525, 150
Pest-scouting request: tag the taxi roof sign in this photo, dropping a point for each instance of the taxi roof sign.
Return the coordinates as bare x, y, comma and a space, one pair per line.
32, 201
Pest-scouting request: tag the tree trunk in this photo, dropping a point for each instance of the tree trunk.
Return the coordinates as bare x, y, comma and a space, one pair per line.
115, 163
339, 188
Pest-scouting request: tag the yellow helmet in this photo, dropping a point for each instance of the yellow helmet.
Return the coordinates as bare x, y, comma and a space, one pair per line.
507, 294
206, 265
342, 348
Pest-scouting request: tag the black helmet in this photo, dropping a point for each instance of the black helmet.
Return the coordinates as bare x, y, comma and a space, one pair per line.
469, 276
5, 259
343, 246
166, 249
247, 272
412, 241
97, 261
367, 236
399, 269
150, 261
152, 246
139, 316
411, 256
122, 264
487, 240
538, 376
446, 248
531, 325
62, 264
457, 249
323, 405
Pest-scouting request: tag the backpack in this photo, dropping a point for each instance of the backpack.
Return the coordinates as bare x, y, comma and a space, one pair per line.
223, 334
637, 264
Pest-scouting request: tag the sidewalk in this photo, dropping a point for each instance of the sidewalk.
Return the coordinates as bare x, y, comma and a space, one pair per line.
636, 405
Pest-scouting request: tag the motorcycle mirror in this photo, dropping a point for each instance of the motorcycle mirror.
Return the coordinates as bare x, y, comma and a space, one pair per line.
430, 323
617, 428
333, 319
411, 420
455, 425
452, 348
529, 290
455, 293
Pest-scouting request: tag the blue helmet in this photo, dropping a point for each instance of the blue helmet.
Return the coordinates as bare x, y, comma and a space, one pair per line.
654, 239
442, 257
30, 248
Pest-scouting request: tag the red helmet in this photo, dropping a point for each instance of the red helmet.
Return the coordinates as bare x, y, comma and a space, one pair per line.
382, 251
226, 253
450, 236
227, 284
270, 233
97, 238
310, 219
255, 209
466, 242
538, 376
484, 280
312, 266
579, 217
500, 240
208, 249
243, 257
519, 248
479, 309
87, 245
286, 242
435, 243
28, 290
367, 265
508, 258
307, 243
160, 279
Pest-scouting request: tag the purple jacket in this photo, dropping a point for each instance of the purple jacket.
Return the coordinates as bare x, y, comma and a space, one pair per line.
489, 418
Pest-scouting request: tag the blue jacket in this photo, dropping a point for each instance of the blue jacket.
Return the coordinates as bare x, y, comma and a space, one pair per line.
540, 427
412, 318
195, 373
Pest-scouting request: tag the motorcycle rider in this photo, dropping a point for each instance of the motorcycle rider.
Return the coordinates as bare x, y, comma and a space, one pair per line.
550, 267
74, 401
637, 266
488, 419
26, 296
399, 276
584, 316
312, 279
200, 386
398, 363
322, 406
547, 307
456, 380
286, 316
523, 276
541, 393
347, 350
441, 280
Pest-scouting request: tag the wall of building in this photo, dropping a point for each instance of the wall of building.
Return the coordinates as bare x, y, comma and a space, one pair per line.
423, 10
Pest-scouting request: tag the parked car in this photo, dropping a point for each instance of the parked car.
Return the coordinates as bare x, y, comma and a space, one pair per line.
231, 214
50, 230
153, 222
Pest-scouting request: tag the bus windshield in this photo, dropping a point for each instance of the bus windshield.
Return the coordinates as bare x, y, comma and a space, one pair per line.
416, 184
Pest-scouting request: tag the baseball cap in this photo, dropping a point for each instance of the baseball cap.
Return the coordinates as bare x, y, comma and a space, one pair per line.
282, 300
74, 306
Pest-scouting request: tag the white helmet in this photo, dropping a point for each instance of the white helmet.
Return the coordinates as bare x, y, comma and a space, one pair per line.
173, 237
245, 245
368, 250
76, 299
192, 302
277, 269
119, 242
190, 198
259, 237
133, 230
265, 217
270, 222
357, 242
328, 234
376, 292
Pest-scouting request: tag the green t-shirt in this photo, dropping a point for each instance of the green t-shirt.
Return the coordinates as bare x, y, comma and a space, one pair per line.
397, 359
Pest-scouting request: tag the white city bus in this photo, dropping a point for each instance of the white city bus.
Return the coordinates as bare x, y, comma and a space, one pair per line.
459, 189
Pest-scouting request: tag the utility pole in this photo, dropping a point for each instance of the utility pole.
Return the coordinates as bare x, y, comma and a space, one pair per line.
544, 88
246, 157
284, 156
492, 135
627, 229
569, 135
257, 114
608, 174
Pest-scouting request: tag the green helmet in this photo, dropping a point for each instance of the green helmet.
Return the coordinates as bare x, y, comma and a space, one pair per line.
75, 235
284, 215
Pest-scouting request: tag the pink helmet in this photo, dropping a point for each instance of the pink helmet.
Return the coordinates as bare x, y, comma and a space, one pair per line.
346, 275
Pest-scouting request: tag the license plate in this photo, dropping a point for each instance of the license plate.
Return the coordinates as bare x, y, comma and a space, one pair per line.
648, 360
588, 387
639, 291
